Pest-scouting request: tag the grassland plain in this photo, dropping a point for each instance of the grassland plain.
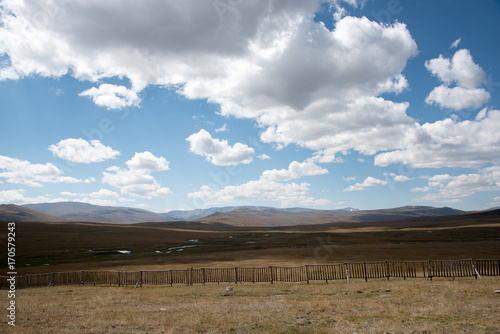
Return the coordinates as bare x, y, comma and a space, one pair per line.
49, 247
447, 306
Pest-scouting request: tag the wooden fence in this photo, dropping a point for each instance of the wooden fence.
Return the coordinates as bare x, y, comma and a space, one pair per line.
322, 272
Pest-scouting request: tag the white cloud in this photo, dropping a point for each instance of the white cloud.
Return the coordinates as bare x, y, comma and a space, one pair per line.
455, 44
400, 178
270, 187
495, 203
448, 143
295, 170
18, 197
445, 188
273, 63
219, 152
421, 189
368, 182
458, 98
112, 96
264, 157
137, 180
223, 128
82, 151
287, 194
101, 197
462, 71
146, 161
23, 172
302, 83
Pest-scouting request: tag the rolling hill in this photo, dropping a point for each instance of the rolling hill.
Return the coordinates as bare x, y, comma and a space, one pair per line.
16, 213
276, 217
83, 212
229, 215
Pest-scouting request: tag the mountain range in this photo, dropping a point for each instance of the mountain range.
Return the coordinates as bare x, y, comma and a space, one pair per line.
228, 215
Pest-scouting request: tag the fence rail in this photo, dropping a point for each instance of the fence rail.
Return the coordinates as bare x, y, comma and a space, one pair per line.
320, 272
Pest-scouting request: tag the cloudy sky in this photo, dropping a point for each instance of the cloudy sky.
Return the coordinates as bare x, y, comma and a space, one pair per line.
186, 104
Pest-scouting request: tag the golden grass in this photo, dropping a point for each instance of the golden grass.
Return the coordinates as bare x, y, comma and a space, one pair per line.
378, 306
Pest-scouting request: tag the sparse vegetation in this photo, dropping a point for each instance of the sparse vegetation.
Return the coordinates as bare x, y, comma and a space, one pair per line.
396, 306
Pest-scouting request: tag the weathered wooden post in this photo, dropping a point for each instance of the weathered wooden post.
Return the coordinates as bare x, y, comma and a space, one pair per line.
347, 271
364, 267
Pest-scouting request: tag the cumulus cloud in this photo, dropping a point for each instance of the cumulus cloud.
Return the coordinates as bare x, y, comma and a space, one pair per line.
445, 187
272, 63
368, 182
23, 172
148, 162
448, 143
462, 71
458, 98
137, 180
295, 170
112, 96
18, 197
302, 83
271, 186
264, 157
82, 151
101, 197
219, 152
287, 194
400, 178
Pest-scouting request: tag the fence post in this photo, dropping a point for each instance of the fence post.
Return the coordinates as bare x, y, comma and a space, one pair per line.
475, 269
364, 267
271, 270
236, 278
203, 275
307, 273
171, 278
347, 271
140, 278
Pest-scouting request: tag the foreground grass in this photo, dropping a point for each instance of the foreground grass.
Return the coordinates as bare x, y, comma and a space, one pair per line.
396, 306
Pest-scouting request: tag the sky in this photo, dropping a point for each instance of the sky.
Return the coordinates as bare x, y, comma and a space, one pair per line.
178, 105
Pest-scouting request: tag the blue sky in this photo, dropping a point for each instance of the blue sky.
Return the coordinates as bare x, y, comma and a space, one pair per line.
182, 105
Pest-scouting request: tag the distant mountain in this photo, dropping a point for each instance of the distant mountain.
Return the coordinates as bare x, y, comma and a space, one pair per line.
228, 215
84, 212
200, 213
278, 217
16, 213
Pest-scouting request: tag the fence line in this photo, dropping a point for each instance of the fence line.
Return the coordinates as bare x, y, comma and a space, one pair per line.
318, 272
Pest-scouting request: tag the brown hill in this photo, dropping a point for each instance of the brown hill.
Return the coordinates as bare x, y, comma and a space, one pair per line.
84, 212
276, 217
16, 213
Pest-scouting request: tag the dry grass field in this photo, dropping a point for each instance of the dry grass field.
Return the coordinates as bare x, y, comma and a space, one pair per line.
413, 306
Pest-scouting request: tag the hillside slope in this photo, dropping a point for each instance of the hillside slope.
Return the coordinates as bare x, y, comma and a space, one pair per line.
84, 212
276, 217
16, 213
